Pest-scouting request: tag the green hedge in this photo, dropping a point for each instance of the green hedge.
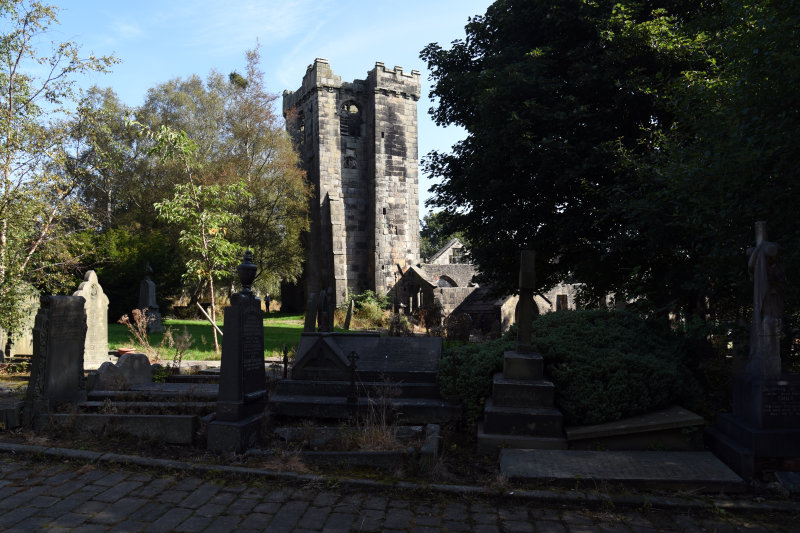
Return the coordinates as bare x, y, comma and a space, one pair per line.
606, 365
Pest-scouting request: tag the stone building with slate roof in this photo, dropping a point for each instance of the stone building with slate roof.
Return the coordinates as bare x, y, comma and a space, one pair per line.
358, 145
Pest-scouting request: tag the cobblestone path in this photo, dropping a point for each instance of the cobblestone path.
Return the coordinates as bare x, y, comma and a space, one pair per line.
53, 496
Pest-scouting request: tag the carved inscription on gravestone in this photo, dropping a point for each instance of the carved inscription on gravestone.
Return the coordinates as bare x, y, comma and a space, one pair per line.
781, 404
57, 363
252, 351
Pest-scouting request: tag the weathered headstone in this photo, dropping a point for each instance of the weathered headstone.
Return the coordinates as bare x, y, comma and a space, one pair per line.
242, 386
765, 423
148, 302
132, 369
326, 308
96, 348
769, 284
349, 317
59, 334
22, 339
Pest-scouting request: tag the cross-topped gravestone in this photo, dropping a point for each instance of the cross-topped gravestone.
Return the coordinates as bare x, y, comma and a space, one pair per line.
520, 413
764, 427
242, 386
769, 284
96, 347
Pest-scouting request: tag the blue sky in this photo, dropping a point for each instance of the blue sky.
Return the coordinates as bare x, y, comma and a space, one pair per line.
160, 40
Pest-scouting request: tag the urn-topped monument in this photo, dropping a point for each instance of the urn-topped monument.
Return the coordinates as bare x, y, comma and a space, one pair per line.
242, 387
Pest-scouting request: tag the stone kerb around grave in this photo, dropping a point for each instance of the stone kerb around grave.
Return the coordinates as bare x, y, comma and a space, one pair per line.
96, 346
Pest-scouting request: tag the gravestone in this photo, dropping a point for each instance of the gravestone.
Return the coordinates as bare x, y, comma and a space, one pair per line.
349, 317
765, 423
132, 369
148, 302
96, 348
520, 413
22, 340
59, 335
242, 385
310, 323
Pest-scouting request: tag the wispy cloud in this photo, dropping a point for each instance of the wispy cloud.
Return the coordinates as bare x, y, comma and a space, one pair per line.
220, 28
127, 30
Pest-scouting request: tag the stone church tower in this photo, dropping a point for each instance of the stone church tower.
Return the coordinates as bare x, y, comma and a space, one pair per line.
358, 146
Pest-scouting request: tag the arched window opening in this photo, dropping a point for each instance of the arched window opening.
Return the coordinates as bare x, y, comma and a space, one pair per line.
350, 120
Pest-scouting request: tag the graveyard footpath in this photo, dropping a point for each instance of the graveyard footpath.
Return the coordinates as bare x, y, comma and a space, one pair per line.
73, 490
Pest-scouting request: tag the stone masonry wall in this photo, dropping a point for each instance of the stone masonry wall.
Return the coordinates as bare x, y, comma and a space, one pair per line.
358, 145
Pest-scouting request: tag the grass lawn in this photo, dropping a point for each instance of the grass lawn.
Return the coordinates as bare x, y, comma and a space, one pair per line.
279, 329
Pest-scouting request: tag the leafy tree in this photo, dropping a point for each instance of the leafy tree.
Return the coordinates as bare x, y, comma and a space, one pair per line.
731, 158
555, 97
106, 158
203, 212
433, 234
38, 214
239, 138
263, 157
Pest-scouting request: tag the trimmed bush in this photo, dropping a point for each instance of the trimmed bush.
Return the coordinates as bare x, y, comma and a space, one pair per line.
606, 365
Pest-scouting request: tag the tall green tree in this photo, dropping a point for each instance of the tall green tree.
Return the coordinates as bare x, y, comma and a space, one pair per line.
262, 156
38, 213
202, 212
729, 159
552, 96
433, 234
239, 138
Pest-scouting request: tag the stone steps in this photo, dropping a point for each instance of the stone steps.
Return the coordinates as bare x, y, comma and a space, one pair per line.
521, 392
172, 429
212, 377
410, 410
371, 388
532, 421
147, 407
520, 413
161, 392
489, 443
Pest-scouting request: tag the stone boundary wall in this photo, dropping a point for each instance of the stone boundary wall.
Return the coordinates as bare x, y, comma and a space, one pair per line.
451, 297
461, 273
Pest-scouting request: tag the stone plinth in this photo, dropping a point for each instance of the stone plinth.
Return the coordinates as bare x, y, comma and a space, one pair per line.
520, 413
764, 425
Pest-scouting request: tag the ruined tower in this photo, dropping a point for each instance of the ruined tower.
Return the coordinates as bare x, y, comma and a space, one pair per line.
358, 146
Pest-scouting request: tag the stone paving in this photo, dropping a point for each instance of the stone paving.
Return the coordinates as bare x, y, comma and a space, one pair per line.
72, 496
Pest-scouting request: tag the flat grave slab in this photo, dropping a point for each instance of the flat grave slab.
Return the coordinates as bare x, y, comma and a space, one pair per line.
659, 430
700, 471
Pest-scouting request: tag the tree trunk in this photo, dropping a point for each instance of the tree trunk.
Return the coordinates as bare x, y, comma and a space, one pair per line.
213, 314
